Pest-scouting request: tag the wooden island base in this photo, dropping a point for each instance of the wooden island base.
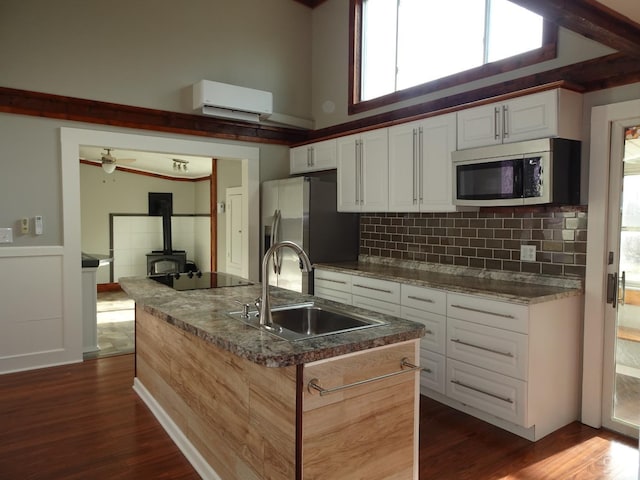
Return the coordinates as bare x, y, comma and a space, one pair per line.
235, 419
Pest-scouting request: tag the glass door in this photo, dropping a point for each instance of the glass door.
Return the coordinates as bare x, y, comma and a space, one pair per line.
622, 345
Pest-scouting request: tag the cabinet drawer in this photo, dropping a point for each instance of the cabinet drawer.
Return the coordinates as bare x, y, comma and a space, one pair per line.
433, 371
378, 289
422, 298
434, 338
356, 374
488, 312
335, 295
496, 394
498, 350
332, 280
379, 306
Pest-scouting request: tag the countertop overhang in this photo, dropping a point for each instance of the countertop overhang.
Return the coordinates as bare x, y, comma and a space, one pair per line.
204, 314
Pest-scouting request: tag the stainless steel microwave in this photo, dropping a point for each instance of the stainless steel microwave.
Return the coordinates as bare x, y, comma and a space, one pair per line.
523, 173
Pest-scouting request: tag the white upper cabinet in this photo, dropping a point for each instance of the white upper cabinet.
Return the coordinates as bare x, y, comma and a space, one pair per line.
313, 157
553, 113
362, 172
420, 165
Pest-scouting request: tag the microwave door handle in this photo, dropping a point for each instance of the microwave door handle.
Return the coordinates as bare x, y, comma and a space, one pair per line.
518, 172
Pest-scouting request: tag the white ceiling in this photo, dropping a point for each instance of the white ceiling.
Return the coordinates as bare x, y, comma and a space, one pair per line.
152, 162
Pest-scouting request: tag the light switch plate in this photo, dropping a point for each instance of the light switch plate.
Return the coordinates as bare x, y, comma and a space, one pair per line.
527, 253
37, 221
6, 235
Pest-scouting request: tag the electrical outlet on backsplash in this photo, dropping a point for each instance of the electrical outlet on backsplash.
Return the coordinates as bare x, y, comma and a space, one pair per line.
490, 238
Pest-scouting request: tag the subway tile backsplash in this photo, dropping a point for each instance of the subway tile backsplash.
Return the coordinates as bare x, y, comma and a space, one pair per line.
489, 238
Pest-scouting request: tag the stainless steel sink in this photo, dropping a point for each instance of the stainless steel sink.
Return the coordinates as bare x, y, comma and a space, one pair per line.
308, 320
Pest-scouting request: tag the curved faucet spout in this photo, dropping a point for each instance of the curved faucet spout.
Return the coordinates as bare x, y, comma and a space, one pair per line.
265, 304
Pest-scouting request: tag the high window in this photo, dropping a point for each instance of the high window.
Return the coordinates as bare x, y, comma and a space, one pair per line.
400, 45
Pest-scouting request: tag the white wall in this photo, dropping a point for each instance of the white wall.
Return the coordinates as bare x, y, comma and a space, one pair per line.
148, 53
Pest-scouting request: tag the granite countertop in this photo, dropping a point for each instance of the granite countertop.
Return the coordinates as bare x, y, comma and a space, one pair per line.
203, 313
519, 288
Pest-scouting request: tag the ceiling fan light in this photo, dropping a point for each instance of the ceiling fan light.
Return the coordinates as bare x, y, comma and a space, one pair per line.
108, 167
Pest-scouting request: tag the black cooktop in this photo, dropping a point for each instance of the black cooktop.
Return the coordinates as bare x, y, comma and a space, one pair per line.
199, 280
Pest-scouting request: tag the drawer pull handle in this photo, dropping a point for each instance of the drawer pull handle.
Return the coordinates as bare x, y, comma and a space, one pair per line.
484, 392
331, 280
412, 297
503, 315
373, 288
486, 349
405, 367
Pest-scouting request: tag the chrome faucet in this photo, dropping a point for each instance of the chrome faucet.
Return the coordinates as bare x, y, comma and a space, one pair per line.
265, 304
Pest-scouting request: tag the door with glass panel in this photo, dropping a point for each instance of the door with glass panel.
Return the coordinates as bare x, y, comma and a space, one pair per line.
621, 382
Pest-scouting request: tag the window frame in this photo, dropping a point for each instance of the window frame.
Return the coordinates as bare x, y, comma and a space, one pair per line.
547, 51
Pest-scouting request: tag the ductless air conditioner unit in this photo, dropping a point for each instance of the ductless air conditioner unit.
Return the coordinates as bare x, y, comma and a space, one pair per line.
230, 101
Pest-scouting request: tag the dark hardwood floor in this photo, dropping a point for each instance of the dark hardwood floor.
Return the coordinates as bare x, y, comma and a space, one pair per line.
84, 421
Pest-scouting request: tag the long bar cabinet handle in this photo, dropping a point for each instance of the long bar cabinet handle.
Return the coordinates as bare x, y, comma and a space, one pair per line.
477, 310
331, 280
405, 367
372, 288
486, 349
484, 392
420, 299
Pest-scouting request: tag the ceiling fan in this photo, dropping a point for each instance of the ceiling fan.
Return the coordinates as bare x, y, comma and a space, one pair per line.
109, 161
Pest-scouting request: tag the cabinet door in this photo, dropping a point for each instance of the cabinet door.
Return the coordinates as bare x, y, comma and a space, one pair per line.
299, 159
437, 139
375, 180
479, 126
494, 349
435, 327
531, 116
433, 373
367, 428
498, 395
323, 155
348, 174
403, 188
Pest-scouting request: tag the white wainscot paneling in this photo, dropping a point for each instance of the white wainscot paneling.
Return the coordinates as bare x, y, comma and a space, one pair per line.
31, 320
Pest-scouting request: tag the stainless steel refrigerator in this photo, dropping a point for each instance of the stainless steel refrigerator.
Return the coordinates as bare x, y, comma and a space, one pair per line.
303, 210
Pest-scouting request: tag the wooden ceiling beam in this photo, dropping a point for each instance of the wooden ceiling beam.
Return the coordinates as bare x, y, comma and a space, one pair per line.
592, 20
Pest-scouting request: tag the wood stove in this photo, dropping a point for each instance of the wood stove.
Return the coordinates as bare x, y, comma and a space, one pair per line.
166, 260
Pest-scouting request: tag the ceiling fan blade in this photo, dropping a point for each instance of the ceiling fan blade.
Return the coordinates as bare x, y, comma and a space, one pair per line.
125, 160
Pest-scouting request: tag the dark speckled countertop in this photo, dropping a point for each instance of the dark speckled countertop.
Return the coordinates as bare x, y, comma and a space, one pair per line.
519, 288
204, 314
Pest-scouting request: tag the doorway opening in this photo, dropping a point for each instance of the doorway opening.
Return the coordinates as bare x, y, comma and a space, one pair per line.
71, 141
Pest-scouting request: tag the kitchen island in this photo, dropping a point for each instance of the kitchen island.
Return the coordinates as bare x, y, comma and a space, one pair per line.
238, 402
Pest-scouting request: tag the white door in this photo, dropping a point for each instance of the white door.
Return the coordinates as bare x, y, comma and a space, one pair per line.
235, 245
621, 379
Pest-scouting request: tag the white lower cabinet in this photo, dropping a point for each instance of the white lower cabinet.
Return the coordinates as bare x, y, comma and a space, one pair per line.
490, 392
495, 349
332, 285
433, 373
513, 365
